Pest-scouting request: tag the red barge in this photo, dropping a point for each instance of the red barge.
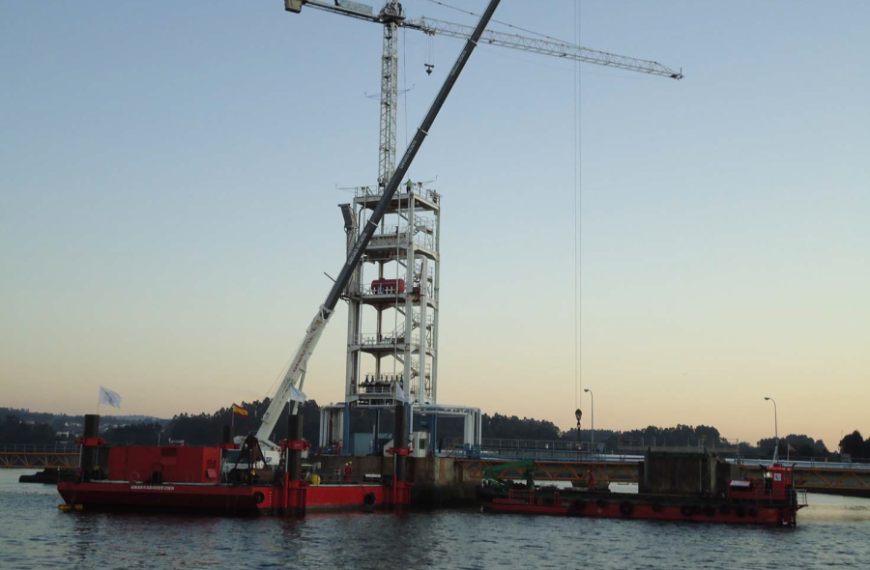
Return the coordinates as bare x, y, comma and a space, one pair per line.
214, 480
284, 498
673, 487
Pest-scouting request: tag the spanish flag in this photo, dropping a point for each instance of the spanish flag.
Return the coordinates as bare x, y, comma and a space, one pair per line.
240, 411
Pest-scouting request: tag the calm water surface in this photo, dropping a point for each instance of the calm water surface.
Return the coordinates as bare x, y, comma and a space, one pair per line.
834, 532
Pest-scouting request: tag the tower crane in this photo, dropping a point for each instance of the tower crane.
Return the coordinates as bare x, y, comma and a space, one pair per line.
392, 17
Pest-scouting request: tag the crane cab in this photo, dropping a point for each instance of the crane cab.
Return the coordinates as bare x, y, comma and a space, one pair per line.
775, 485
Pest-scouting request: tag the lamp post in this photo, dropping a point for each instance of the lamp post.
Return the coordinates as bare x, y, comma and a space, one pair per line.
775, 430
592, 399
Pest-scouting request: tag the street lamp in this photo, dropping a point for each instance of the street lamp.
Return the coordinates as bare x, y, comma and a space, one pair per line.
775, 430
592, 399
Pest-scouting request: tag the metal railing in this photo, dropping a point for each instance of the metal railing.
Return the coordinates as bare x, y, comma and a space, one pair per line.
421, 224
401, 239
455, 449
388, 339
384, 388
695, 443
560, 455
811, 463
801, 497
375, 192
388, 290
528, 444
378, 387
39, 448
381, 290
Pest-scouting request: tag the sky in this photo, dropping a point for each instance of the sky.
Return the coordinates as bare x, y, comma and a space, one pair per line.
169, 174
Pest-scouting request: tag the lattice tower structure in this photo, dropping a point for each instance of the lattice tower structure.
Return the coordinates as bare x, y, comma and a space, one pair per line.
393, 300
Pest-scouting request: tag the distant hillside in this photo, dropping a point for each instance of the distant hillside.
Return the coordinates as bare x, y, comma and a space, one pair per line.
57, 421
23, 426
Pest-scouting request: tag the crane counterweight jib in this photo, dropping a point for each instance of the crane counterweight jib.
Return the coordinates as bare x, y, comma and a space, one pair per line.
344, 7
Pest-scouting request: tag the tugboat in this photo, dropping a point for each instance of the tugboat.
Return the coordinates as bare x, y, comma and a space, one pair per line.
673, 486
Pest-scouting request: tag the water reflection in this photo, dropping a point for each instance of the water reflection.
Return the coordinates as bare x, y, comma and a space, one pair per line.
830, 533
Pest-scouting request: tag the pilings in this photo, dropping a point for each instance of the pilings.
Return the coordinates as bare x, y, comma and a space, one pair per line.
400, 442
91, 443
294, 453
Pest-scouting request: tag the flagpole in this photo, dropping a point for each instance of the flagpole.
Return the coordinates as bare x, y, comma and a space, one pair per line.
233, 423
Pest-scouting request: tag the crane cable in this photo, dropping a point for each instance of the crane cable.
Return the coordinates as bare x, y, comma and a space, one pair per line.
405, 79
540, 35
578, 345
577, 221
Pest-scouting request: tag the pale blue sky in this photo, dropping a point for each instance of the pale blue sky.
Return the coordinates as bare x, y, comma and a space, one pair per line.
167, 207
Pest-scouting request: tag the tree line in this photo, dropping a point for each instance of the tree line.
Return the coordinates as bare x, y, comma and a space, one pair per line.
206, 429
855, 445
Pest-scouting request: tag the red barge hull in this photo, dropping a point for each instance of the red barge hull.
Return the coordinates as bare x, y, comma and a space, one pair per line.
294, 499
681, 486
642, 508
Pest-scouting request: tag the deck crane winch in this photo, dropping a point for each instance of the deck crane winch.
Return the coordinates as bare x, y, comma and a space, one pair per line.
392, 17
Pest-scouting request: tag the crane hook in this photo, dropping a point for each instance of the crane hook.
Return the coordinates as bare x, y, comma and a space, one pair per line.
430, 55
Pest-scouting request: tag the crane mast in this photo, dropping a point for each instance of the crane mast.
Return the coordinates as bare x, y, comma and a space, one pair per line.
389, 93
296, 371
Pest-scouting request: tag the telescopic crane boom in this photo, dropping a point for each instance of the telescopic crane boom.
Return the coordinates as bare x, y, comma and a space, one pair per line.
296, 372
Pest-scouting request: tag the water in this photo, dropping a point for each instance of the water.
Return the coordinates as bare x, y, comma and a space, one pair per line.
34, 534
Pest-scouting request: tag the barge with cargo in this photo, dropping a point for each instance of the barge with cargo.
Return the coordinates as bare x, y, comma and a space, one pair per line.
227, 479
696, 487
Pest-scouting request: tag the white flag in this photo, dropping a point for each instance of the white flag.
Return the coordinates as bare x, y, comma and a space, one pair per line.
111, 398
297, 395
400, 394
